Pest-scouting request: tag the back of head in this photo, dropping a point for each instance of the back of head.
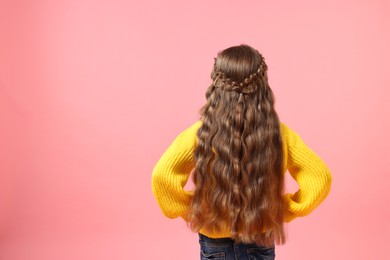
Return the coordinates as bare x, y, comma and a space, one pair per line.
238, 177
238, 63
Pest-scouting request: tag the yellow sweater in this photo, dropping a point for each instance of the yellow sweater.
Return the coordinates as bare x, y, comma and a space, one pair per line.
172, 171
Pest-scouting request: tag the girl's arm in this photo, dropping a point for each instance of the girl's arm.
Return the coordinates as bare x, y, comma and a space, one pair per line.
171, 173
311, 174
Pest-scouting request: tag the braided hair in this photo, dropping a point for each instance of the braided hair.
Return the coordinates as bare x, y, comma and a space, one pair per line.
239, 183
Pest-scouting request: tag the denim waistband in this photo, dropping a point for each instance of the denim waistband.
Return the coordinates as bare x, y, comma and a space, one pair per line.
215, 240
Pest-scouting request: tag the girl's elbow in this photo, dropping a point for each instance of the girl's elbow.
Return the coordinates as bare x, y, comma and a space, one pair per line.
328, 177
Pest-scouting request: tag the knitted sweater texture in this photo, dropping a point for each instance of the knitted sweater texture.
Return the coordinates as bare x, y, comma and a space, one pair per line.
172, 171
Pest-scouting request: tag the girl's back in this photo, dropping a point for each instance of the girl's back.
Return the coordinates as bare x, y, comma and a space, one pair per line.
239, 151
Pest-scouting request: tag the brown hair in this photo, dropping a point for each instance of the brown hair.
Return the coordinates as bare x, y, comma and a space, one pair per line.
239, 183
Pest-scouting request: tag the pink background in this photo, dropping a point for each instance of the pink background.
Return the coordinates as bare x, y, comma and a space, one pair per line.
93, 92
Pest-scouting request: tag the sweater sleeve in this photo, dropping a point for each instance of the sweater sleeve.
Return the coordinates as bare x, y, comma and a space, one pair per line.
172, 171
311, 174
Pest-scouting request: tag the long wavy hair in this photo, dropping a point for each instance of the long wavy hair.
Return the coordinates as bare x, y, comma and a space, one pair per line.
238, 177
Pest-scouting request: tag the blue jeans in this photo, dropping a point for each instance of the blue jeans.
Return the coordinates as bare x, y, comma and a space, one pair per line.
227, 249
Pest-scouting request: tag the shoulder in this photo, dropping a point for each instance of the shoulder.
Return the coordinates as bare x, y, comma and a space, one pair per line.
285, 129
195, 126
188, 136
289, 135
192, 129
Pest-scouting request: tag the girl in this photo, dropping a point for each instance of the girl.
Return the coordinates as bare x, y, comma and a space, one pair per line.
239, 152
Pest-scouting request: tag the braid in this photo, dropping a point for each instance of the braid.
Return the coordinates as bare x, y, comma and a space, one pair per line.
247, 86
